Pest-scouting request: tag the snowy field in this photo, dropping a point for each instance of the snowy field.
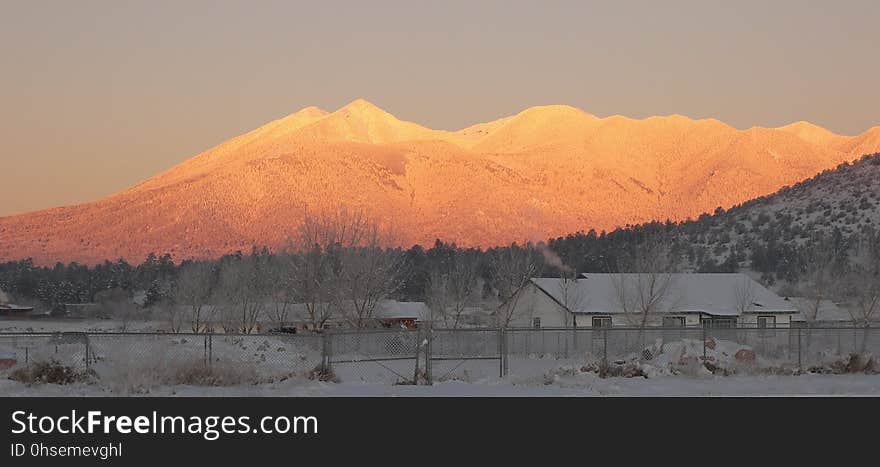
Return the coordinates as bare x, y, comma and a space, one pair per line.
527, 377
78, 325
579, 385
382, 363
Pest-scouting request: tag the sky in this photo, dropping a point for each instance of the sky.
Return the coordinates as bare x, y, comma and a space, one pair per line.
96, 96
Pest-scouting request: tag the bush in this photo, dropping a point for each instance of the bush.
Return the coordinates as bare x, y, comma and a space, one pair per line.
852, 364
217, 374
51, 372
142, 378
322, 373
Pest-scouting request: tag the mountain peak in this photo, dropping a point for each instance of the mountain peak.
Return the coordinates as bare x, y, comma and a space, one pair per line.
361, 121
361, 105
809, 132
554, 109
311, 111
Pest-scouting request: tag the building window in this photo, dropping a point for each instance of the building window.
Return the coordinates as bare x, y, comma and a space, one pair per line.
766, 322
724, 323
673, 321
536, 322
601, 321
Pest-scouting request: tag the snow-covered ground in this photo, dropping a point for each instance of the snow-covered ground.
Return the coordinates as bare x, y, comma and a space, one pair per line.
277, 365
78, 325
578, 385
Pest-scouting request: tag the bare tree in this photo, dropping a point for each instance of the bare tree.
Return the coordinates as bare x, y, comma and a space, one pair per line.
454, 287
319, 248
193, 291
243, 291
281, 282
369, 274
512, 268
744, 294
341, 227
174, 315
645, 289
117, 304
317, 286
862, 284
818, 280
436, 296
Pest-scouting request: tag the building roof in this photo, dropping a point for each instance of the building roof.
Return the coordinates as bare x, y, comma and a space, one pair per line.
392, 309
828, 311
714, 294
7, 307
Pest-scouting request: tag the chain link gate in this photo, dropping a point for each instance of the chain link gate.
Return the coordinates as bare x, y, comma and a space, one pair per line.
390, 356
463, 354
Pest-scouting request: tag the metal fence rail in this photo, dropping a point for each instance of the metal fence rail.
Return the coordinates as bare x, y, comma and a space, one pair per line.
407, 356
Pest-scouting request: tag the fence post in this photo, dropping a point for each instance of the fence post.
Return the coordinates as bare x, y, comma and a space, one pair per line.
326, 350
605, 346
505, 357
429, 377
800, 369
418, 348
210, 349
27, 361
87, 352
502, 352
704, 342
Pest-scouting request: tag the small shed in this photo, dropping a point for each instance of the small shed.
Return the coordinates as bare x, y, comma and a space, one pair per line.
391, 313
11, 310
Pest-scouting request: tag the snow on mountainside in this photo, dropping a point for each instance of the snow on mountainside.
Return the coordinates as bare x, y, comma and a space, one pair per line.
545, 172
845, 199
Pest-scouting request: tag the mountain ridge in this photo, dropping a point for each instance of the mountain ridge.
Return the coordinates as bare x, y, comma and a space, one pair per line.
546, 171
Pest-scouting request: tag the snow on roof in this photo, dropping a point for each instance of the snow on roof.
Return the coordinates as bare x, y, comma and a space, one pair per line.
714, 294
828, 310
392, 309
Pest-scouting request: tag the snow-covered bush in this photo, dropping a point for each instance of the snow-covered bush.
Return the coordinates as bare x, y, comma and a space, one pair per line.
49, 372
143, 377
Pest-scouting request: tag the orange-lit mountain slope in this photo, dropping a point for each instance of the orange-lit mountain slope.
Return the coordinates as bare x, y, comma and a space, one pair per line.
546, 171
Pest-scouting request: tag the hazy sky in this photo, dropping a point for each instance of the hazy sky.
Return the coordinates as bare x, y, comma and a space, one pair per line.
96, 96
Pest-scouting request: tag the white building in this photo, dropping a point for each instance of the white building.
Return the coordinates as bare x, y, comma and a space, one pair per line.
676, 300
828, 313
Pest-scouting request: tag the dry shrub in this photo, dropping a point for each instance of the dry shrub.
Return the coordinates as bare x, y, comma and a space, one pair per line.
323, 373
614, 369
854, 363
50, 372
143, 378
216, 374
422, 379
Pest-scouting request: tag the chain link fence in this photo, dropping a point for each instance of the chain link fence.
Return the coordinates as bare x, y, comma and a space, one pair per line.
408, 356
389, 356
146, 359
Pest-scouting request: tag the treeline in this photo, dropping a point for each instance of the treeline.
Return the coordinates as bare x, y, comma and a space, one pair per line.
338, 268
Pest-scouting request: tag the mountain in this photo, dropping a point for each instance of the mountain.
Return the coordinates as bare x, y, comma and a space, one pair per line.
842, 202
544, 172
